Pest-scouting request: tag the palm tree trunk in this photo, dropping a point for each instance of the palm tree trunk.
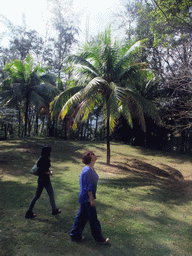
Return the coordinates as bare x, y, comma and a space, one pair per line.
5, 131
26, 115
19, 128
43, 126
65, 121
36, 124
108, 142
96, 125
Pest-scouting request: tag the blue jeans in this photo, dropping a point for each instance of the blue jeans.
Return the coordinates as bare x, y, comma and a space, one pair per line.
86, 213
39, 191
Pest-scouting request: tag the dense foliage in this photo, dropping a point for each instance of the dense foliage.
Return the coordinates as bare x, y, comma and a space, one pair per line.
106, 77
152, 64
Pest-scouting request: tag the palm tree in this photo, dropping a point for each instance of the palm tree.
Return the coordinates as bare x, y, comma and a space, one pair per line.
24, 85
107, 70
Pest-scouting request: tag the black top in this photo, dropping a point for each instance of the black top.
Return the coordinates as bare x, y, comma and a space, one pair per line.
44, 164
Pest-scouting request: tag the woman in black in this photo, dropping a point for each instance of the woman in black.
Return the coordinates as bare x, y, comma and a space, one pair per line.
44, 173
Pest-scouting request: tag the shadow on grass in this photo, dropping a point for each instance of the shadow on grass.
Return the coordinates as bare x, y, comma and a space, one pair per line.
18, 234
17, 157
48, 235
13, 195
165, 184
177, 157
138, 231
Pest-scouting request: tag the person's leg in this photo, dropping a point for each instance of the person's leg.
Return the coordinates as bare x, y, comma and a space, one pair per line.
79, 223
50, 192
29, 213
94, 223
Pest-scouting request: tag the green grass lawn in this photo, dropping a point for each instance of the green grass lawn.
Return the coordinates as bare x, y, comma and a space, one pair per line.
143, 201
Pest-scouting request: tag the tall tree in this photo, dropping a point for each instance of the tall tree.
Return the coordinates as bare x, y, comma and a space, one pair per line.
21, 40
127, 17
176, 14
107, 70
24, 85
167, 25
63, 34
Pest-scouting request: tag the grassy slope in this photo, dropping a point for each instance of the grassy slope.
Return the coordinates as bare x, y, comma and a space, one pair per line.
143, 201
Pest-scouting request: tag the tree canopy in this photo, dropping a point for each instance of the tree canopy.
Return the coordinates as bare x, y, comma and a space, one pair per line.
23, 85
106, 74
105, 79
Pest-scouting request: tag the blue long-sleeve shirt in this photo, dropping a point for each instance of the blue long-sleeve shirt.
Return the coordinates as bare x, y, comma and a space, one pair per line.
88, 182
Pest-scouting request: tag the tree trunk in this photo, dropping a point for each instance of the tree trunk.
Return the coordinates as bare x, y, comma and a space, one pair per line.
96, 125
184, 141
36, 124
19, 128
43, 131
5, 131
26, 115
108, 141
65, 122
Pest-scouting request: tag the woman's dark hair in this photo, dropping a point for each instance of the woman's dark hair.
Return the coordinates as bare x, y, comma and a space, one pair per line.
46, 151
86, 158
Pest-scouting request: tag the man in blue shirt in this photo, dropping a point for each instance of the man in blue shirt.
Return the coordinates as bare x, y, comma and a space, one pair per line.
87, 195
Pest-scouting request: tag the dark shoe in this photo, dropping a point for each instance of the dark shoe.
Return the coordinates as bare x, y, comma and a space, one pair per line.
79, 239
30, 215
56, 211
105, 241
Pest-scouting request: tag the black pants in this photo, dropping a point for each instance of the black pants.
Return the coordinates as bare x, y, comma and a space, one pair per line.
39, 191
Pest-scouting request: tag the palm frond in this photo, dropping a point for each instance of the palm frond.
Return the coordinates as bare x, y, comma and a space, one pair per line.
57, 105
40, 70
96, 86
112, 122
28, 65
83, 62
76, 116
89, 52
33, 79
44, 93
89, 108
125, 111
135, 108
15, 69
134, 48
10, 103
126, 74
70, 103
112, 100
37, 100
50, 79
106, 36
148, 108
126, 59
72, 122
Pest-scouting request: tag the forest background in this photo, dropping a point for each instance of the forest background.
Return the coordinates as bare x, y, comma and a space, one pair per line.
34, 70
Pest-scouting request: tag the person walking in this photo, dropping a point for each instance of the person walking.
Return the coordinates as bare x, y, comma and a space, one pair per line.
87, 195
44, 181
